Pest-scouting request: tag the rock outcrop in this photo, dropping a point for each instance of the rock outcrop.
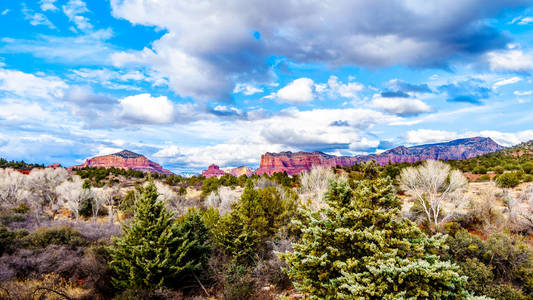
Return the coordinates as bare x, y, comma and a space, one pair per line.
125, 160
294, 163
239, 171
212, 171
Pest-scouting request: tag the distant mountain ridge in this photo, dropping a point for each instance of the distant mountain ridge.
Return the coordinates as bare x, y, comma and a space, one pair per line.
127, 160
294, 163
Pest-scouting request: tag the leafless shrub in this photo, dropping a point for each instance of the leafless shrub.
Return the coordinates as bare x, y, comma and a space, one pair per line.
520, 210
107, 195
223, 198
43, 183
314, 184
487, 211
12, 188
437, 189
72, 193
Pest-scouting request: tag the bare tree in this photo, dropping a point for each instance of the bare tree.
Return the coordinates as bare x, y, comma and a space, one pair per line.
42, 183
107, 196
223, 198
12, 187
437, 188
314, 184
173, 200
520, 210
72, 193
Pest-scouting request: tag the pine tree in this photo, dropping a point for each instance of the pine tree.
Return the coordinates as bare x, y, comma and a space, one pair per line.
154, 251
359, 247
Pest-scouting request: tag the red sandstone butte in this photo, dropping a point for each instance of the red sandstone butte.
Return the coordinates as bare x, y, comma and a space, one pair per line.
212, 170
125, 160
294, 163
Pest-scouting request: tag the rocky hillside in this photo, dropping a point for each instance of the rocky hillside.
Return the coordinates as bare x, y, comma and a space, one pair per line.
294, 163
125, 160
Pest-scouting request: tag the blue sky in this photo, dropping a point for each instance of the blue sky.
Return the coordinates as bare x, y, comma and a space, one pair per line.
190, 83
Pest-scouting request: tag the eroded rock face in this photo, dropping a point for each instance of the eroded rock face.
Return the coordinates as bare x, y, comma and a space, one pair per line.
125, 160
294, 163
239, 171
213, 170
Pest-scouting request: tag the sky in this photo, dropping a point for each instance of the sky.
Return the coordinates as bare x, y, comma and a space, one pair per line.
190, 83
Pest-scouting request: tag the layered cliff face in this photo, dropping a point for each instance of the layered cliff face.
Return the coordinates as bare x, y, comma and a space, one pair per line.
294, 163
212, 171
125, 160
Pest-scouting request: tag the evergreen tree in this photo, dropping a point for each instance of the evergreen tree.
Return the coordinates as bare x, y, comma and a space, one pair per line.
359, 247
242, 231
154, 251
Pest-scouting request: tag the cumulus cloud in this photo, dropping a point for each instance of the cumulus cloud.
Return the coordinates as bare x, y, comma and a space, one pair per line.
144, 107
31, 86
510, 60
209, 47
335, 88
297, 92
400, 106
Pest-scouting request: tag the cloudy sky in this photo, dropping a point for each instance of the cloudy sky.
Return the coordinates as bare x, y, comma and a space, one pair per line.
189, 83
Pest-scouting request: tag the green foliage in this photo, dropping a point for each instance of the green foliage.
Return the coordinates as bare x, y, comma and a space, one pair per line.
155, 250
127, 204
508, 180
359, 247
499, 170
480, 170
19, 165
6, 239
21, 209
258, 215
501, 259
97, 176
62, 235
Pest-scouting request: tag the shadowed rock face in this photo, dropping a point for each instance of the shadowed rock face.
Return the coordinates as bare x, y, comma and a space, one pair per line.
125, 160
294, 163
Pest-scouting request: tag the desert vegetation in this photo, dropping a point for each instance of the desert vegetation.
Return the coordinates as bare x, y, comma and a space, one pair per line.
422, 230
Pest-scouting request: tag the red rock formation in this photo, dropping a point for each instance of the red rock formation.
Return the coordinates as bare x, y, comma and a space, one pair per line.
239, 171
294, 163
55, 166
125, 160
212, 170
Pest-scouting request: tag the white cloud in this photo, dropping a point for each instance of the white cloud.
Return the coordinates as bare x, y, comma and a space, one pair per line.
5, 11
523, 93
335, 88
246, 89
525, 21
48, 5
297, 92
74, 9
507, 81
28, 85
207, 48
36, 18
400, 106
425, 136
144, 107
510, 60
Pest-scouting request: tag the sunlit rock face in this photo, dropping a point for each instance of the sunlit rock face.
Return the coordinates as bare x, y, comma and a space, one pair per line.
212, 171
125, 160
294, 163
